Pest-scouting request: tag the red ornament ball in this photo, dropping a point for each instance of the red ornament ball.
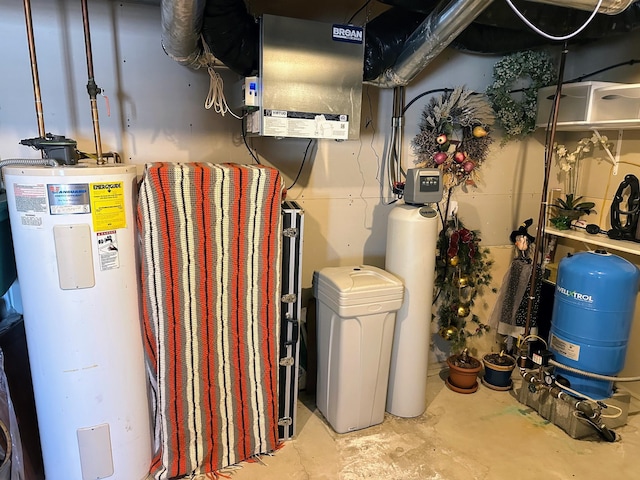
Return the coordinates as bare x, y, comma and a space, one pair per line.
459, 157
468, 166
440, 158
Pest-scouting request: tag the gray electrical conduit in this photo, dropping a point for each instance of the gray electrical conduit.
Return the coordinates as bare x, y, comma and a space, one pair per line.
594, 375
50, 162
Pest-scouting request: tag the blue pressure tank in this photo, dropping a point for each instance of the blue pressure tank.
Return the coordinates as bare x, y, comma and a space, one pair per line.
593, 309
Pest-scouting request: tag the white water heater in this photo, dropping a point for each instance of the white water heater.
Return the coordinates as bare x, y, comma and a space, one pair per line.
74, 239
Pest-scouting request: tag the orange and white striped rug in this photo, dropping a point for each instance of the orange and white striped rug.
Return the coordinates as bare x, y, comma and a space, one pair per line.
210, 239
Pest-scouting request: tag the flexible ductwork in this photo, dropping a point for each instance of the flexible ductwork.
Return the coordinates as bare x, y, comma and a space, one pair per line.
609, 7
181, 26
433, 35
399, 43
446, 22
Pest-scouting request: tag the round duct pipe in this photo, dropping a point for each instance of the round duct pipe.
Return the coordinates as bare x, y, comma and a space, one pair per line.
609, 7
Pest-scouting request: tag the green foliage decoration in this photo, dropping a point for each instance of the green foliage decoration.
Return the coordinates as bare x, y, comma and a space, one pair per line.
517, 114
463, 270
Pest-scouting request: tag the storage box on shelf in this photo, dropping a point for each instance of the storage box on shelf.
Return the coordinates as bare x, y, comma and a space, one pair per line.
592, 106
617, 105
576, 103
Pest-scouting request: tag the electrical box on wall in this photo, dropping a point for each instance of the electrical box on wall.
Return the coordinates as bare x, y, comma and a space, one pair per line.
310, 80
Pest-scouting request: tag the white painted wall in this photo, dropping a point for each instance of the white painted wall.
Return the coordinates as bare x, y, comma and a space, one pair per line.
157, 114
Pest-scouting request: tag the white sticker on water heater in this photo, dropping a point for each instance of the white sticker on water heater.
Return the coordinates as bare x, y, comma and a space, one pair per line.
569, 350
108, 250
30, 198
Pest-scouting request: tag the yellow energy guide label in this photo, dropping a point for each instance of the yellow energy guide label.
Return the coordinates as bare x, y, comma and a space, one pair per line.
107, 206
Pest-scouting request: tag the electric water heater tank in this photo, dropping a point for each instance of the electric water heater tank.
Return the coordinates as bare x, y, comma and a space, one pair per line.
75, 246
593, 309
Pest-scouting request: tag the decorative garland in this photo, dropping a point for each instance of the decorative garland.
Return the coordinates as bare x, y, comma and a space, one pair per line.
454, 136
462, 270
518, 117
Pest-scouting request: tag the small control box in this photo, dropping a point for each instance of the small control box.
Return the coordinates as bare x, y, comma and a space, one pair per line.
250, 93
423, 185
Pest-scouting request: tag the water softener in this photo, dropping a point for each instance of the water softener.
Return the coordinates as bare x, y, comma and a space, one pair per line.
592, 313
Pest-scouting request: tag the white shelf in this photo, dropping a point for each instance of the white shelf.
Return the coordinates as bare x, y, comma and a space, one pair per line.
598, 240
626, 124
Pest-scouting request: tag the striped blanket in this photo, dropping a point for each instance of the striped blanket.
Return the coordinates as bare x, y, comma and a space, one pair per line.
210, 249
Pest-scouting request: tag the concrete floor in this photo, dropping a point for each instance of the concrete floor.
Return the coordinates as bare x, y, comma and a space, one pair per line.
487, 435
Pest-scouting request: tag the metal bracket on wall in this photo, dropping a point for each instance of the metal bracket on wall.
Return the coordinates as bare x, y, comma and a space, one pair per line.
615, 160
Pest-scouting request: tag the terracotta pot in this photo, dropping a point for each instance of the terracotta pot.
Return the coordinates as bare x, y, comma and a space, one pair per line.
497, 371
463, 373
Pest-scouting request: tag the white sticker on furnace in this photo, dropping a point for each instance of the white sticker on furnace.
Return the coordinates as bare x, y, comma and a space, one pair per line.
108, 250
569, 350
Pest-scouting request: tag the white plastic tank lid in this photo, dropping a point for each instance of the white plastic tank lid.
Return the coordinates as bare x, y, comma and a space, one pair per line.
358, 279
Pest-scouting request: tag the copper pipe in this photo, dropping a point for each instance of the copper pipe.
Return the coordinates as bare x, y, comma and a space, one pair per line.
545, 187
34, 70
92, 88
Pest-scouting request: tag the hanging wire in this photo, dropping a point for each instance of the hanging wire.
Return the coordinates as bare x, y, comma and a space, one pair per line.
610, 67
549, 36
358, 11
215, 96
304, 159
244, 139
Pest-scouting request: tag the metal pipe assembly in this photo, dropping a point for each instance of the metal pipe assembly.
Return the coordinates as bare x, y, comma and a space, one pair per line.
34, 68
576, 413
92, 88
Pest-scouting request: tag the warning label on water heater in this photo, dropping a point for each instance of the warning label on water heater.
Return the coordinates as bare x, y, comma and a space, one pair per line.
107, 206
31, 203
108, 250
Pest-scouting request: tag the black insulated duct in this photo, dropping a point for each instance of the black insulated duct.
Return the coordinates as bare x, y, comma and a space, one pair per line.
405, 37
232, 35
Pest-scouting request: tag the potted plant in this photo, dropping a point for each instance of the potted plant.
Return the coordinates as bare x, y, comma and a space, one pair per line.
463, 372
569, 209
497, 370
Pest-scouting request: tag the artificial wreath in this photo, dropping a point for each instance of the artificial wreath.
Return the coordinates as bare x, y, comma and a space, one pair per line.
517, 113
454, 136
462, 271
